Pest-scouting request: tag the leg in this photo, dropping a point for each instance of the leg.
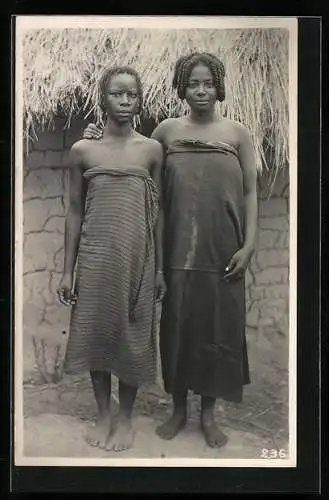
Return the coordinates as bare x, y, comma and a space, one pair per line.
123, 437
215, 438
178, 420
101, 382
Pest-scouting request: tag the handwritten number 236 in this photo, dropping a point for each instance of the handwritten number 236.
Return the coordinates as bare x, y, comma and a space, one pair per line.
273, 453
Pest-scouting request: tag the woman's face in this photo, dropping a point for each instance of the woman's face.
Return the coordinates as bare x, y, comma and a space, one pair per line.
201, 92
121, 97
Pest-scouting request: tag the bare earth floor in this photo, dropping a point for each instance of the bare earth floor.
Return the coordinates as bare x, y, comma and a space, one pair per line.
50, 435
57, 417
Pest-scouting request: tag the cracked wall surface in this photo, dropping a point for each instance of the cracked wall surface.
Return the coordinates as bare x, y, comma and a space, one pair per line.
45, 204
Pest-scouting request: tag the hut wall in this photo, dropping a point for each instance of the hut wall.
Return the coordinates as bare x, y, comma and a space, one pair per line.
45, 203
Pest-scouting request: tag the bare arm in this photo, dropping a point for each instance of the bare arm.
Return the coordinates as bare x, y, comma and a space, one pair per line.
240, 260
248, 165
160, 132
75, 212
156, 172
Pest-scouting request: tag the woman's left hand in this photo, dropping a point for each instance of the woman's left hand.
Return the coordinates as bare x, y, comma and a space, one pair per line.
238, 264
160, 286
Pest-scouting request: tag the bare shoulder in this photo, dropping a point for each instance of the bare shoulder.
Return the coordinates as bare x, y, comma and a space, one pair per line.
168, 123
78, 151
80, 147
147, 141
153, 146
240, 130
165, 128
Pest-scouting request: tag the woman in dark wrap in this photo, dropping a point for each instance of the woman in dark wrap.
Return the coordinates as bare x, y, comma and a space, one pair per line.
210, 213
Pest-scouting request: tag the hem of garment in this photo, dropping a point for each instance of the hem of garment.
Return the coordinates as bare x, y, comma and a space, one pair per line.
198, 269
219, 395
83, 370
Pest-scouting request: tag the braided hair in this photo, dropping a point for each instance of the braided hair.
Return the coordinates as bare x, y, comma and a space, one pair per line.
185, 65
106, 76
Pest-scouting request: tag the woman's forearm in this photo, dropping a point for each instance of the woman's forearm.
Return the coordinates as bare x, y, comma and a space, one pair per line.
159, 241
251, 216
71, 240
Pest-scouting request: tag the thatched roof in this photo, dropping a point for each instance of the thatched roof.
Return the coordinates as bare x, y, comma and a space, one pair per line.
62, 67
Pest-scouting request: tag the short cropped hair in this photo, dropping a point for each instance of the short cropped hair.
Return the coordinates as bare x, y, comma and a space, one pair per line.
119, 70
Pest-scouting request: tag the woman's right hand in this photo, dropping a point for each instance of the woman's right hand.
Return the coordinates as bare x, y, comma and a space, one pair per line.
64, 291
92, 131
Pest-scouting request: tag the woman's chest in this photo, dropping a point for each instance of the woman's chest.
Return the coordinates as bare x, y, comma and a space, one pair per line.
117, 155
214, 133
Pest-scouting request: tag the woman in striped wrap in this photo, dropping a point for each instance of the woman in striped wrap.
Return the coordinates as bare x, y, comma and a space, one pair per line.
210, 221
113, 234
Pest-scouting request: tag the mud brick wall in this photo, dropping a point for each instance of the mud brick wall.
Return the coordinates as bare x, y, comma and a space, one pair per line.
45, 204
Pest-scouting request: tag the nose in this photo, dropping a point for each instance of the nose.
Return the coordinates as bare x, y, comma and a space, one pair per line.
124, 99
201, 90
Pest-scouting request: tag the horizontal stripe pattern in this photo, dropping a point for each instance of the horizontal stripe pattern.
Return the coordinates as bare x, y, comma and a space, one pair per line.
113, 322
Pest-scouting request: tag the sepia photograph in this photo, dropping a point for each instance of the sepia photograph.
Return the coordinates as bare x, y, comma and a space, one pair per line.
155, 241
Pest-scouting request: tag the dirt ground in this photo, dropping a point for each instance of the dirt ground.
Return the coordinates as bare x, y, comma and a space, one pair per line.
56, 417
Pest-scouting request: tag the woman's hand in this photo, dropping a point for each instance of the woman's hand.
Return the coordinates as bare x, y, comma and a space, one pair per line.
238, 264
64, 291
92, 132
160, 286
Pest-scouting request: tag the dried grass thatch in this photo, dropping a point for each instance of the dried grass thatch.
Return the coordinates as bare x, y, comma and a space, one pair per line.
62, 67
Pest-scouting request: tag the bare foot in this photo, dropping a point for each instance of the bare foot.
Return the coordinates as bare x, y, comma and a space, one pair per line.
97, 435
172, 426
123, 437
214, 437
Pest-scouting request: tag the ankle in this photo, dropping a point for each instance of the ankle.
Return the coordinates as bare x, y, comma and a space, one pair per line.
125, 416
207, 416
180, 411
104, 413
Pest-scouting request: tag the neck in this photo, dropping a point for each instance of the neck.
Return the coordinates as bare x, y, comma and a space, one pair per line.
206, 117
118, 130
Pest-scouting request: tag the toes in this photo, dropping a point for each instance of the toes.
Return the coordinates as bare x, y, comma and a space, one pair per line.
160, 432
222, 441
94, 442
109, 446
215, 441
90, 440
102, 444
117, 447
163, 435
114, 447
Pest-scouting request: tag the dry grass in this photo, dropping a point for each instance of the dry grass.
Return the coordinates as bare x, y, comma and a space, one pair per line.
62, 68
49, 366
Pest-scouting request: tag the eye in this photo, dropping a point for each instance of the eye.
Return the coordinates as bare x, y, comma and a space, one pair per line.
133, 95
115, 94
